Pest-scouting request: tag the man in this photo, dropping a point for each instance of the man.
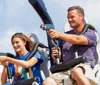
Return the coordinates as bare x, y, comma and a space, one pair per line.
86, 47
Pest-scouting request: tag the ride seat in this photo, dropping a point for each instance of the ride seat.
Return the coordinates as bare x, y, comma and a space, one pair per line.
96, 69
43, 51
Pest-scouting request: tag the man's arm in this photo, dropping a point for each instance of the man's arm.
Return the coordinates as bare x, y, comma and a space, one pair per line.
74, 39
71, 38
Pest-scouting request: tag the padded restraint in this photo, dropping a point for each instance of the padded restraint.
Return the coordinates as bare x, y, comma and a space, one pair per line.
67, 65
33, 51
26, 82
7, 54
86, 27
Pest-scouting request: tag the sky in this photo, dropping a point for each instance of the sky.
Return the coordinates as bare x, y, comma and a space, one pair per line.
19, 16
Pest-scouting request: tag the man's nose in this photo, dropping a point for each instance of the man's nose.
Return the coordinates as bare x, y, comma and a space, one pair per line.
69, 19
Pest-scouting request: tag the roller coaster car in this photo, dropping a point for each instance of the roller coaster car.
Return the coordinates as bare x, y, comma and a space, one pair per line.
93, 75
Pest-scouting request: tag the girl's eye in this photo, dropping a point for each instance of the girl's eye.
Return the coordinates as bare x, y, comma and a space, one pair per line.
17, 42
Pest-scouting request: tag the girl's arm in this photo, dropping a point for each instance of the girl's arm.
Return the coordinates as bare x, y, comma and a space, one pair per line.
4, 73
22, 63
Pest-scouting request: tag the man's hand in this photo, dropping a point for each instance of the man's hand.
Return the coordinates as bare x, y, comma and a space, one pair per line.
55, 53
53, 33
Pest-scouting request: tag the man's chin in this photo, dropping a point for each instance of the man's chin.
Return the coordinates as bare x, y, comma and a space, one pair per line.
72, 26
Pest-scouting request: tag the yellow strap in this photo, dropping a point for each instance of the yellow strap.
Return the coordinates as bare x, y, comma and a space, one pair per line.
31, 73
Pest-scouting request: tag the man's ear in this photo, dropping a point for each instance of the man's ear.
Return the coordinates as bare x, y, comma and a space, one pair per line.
82, 17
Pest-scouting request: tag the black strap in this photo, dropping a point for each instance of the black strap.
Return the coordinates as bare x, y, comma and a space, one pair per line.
33, 51
86, 27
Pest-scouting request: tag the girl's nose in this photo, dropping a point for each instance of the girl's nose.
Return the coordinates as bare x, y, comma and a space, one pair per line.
14, 45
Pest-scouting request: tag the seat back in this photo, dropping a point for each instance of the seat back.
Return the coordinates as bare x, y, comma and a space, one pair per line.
98, 49
44, 66
43, 52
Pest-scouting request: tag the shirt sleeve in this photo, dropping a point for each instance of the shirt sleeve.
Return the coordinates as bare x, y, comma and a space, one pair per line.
39, 57
91, 36
11, 69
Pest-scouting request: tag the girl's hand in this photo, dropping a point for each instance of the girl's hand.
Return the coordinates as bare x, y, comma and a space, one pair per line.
4, 63
3, 58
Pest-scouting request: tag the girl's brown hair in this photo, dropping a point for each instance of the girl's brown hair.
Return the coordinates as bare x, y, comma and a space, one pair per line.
29, 42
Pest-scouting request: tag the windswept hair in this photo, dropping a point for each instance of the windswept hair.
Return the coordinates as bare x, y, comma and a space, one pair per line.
79, 9
29, 43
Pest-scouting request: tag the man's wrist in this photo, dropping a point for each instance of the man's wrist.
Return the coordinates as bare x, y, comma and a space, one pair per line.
59, 35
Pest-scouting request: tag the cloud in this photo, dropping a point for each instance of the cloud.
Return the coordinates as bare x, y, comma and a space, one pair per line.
5, 44
21, 17
5, 41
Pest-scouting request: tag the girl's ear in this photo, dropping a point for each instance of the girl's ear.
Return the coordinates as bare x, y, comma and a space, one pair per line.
25, 42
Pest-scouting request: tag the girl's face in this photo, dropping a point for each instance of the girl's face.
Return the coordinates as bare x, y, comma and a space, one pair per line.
18, 44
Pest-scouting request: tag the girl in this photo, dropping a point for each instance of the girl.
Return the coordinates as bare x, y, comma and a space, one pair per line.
22, 46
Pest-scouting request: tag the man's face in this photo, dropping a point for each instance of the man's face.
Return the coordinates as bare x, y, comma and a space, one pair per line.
74, 18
